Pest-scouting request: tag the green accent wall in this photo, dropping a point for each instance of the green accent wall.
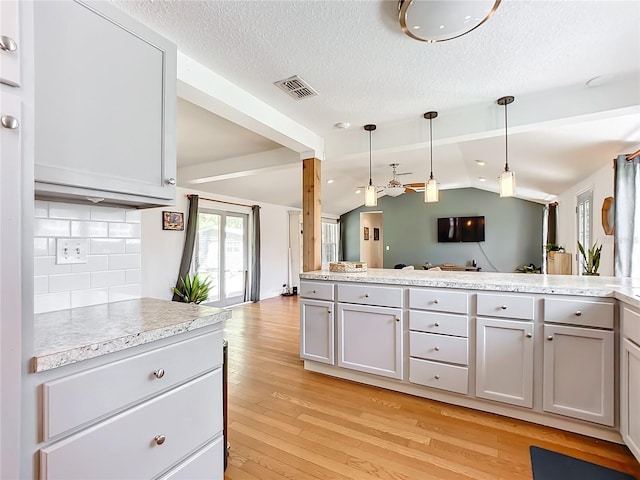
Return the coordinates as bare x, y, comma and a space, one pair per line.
513, 230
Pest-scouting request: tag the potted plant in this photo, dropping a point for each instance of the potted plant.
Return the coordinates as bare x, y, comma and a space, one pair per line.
552, 247
193, 289
590, 259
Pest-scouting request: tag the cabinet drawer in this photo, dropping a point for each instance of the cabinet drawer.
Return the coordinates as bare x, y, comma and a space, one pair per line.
438, 300
441, 348
125, 446
439, 375
506, 306
631, 324
316, 290
80, 398
10, 60
443, 323
590, 313
207, 463
370, 295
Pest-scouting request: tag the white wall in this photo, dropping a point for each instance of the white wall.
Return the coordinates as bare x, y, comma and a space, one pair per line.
602, 184
162, 249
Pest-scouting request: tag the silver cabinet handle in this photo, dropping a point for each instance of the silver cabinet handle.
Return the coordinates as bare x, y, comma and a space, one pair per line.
435, 301
437, 349
159, 439
578, 313
437, 377
313, 291
397, 319
9, 122
436, 324
529, 335
171, 181
159, 373
8, 44
329, 312
366, 295
503, 307
550, 337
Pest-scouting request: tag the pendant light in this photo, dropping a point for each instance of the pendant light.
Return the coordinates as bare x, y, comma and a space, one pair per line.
370, 194
431, 193
507, 178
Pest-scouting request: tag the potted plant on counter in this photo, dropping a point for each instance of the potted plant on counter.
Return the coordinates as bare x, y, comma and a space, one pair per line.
590, 259
194, 289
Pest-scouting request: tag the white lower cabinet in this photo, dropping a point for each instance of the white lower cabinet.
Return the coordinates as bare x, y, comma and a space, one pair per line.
630, 397
578, 375
370, 339
504, 361
201, 465
317, 338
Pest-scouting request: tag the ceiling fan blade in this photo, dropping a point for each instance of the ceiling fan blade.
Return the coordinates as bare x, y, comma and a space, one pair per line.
414, 185
410, 190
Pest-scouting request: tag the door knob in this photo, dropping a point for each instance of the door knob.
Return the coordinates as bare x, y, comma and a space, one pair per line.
529, 335
159, 439
159, 373
171, 181
9, 122
578, 313
503, 307
8, 44
550, 337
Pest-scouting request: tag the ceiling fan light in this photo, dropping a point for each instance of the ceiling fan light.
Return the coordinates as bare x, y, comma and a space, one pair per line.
431, 191
508, 184
394, 191
370, 196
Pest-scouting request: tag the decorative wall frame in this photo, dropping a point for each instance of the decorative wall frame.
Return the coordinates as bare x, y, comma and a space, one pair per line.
376, 233
172, 221
366, 233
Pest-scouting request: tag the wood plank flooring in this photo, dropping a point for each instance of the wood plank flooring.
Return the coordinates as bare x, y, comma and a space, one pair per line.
287, 423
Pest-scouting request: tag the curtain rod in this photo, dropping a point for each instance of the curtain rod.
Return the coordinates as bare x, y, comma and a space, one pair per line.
633, 155
189, 195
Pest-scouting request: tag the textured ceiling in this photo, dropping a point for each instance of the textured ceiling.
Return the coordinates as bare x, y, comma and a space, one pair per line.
366, 70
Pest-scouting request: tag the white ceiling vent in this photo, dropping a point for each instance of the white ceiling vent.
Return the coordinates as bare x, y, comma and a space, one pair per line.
296, 87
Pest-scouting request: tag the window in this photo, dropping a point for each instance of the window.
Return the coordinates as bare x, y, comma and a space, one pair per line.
330, 239
584, 212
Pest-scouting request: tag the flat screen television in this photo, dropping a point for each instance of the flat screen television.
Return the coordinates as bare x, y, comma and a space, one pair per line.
461, 229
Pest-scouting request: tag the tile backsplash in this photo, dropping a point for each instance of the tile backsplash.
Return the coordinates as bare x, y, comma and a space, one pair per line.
112, 271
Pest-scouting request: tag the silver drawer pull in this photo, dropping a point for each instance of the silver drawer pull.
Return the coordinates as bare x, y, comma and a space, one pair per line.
578, 313
159, 373
437, 349
550, 337
503, 307
8, 44
529, 335
9, 122
397, 319
436, 324
437, 377
313, 291
366, 295
159, 439
435, 301
171, 181
329, 312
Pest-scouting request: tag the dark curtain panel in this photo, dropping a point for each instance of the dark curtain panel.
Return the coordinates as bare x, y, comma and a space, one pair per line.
254, 293
552, 223
340, 241
189, 242
627, 217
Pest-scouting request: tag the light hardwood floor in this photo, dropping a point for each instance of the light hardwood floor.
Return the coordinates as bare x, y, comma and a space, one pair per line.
285, 422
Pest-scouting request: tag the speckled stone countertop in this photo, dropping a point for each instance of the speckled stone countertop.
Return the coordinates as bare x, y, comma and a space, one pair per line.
68, 336
625, 289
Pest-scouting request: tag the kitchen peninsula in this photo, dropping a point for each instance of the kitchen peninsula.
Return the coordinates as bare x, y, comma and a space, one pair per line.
557, 350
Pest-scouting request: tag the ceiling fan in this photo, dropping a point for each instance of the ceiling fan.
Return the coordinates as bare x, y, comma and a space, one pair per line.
395, 188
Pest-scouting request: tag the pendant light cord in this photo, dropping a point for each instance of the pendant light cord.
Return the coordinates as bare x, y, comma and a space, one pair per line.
370, 181
431, 146
506, 141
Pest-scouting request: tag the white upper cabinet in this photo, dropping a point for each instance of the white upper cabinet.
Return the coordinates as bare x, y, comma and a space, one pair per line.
10, 47
105, 105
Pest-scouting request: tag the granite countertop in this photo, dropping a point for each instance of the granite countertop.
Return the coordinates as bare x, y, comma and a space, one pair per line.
625, 289
68, 336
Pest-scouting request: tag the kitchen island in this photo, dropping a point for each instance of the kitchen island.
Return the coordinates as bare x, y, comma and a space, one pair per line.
143, 376
542, 348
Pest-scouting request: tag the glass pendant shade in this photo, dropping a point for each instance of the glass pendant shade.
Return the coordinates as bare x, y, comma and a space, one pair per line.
508, 184
431, 192
394, 191
370, 196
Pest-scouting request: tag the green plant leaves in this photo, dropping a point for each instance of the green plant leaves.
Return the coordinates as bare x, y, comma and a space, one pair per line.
590, 258
194, 288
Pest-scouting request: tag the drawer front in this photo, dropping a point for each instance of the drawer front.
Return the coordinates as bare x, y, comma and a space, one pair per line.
506, 306
82, 397
589, 313
441, 348
125, 445
442, 323
631, 324
439, 375
207, 463
438, 300
316, 290
371, 295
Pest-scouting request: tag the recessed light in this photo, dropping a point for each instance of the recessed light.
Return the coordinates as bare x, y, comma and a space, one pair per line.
481, 163
482, 179
342, 125
330, 181
441, 26
358, 191
416, 27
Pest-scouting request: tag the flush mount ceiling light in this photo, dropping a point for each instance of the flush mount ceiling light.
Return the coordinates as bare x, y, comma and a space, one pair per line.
507, 178
370, 194
440, 20
431, 194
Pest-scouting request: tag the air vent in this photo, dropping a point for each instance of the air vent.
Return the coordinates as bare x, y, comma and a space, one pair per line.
296, 88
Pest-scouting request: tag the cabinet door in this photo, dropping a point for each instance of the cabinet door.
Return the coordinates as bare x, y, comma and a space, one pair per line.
10, 48
205, 464
317, 331
504, 361
370, 339
578, 373
105, 103
630, 396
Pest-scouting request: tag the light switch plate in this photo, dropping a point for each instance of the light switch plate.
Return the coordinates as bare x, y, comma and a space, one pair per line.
71, 250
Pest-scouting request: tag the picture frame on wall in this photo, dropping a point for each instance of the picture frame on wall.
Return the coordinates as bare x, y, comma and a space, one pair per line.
366, 233
172, 221
376, 233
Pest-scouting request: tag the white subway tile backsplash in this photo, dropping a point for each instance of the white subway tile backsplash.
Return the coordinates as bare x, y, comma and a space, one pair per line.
108, 214
108, 279
133, 216
68, 282
41, 285
84, 298
47, 266
124, 292
133, 245
121, 262
41, 209
47, 227
71, 211
51, 302
133, 276
89, 229
95, 263
124, 230
40, 247
108, 245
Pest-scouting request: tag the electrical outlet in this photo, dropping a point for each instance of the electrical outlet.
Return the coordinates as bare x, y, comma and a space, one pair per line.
71, 250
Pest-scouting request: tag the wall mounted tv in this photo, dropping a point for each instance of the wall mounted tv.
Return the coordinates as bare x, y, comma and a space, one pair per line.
461, 229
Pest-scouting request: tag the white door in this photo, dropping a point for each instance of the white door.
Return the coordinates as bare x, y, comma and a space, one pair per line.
317, 331
630, 397
504, 361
